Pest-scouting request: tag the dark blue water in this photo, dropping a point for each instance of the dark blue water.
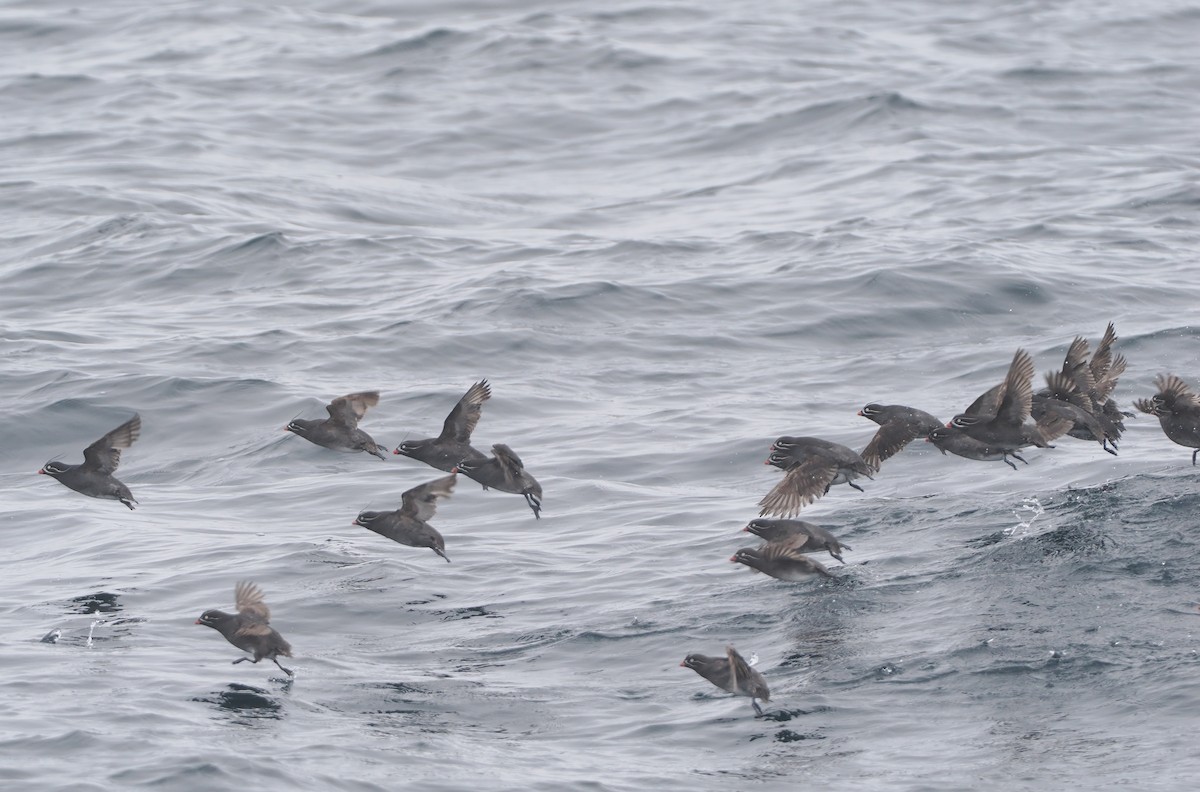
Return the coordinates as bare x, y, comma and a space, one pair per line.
666, 233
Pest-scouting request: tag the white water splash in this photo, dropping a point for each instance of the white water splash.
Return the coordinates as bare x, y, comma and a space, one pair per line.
92, 629
1027, 513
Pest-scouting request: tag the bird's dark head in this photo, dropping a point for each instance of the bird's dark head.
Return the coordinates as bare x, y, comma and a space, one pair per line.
466, 466
780, 459
871, 411
213, 618
784, 443
939, 436
53, 468
297, 426
748, 556
366, 518
759, 527
409, 448
695, 661
964, 421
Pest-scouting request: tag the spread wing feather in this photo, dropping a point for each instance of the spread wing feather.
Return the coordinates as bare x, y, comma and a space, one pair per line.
349, 409
104, 455
421, 502
460, 423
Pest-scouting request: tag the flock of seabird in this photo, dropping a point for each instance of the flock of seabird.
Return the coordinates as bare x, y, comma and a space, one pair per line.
1076, 402
249, 628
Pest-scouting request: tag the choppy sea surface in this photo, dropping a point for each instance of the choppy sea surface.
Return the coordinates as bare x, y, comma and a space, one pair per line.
666, 233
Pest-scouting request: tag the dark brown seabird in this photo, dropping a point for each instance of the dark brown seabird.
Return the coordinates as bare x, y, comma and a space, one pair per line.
453, 445
898, 426
94, 476
409, 525
249, 629
505, 472
732, 674
1177, 408
782, 560
997, 419
811, 466
340, 430
815, 538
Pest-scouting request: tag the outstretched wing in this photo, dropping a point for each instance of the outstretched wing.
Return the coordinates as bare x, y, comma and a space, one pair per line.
988, 402
510, 463
254, 628
1062, 388
744, 679
1102, 359
104, 455
248, 598
347, 410
892, 437
1018, 389
1106, 384
1147, 406
787, 549
801, 485
790, 550
1075, 365
798, 542
1177, 391
421, 502
739, 669
462, 419
1051, 427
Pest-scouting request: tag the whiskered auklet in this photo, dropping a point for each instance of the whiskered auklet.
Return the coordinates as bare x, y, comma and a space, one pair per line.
781, 559
898, 426
815, 537
453, 445
249, 629
732, 674
1177, 408
340, 430
1062, 398
998, 417
409, 525
94, 476
1096, 379
957, 442
505, 472
811, 466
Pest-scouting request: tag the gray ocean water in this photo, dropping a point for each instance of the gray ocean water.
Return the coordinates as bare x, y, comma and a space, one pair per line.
666, 233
